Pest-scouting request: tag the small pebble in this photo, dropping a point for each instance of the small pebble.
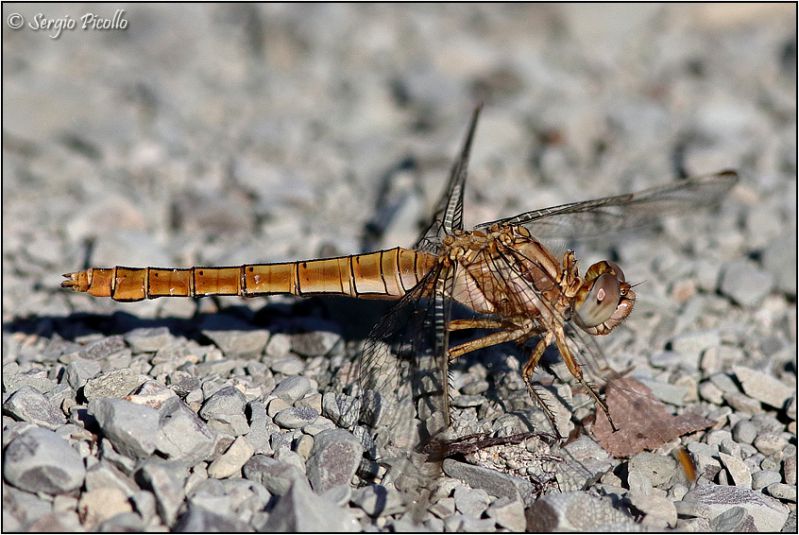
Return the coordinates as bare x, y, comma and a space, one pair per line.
769, 443
764, 478
709, 501
782, 491
508, 514
148, 339
165, 480
79, 371
790, 409
317, 343
660, 511
132, 429
691, 345
340, 495
658, 469
444, 507
115, 384
733, 520
724, 382
287, 365
303, 445
292, 388
744, 432
745, 283
340, 408
301, 510
96, 506
41, 461
230, 463
123, 523
275, 475
377, 500
710, 392
184, 436
742, 402
29, 405
334, 459
738, 470
575, 511
244, 344
317, 426
311, 401
471, 502
763, 387
279, 345
789, 464
224, 412
295, 417
467, 401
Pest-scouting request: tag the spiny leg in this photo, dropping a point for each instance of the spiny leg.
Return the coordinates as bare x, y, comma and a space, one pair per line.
485, 341
577, 372
507, 336
482, 323
527, 376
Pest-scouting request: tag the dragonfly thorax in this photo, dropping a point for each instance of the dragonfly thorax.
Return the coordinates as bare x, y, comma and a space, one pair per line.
505, 271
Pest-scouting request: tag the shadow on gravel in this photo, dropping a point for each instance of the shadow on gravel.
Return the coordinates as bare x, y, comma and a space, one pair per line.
351, 319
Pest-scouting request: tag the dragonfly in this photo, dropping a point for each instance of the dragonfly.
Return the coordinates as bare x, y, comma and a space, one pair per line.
498, 281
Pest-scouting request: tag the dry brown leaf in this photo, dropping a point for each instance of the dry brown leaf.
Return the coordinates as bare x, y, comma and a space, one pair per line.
642, 422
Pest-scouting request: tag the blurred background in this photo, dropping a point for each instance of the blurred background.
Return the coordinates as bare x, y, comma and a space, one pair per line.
224, 134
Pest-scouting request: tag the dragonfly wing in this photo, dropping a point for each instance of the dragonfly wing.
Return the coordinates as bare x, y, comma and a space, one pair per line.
597, 217
448, 215
404, 386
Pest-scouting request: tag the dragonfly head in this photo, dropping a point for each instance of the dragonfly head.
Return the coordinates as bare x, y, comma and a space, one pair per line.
604, 299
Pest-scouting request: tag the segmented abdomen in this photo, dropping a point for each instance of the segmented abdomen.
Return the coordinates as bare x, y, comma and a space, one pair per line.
386, 274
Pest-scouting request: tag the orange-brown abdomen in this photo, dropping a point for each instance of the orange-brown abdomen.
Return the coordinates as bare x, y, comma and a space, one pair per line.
386, 274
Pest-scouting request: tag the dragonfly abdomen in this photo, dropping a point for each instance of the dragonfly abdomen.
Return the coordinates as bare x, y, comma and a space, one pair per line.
386, 274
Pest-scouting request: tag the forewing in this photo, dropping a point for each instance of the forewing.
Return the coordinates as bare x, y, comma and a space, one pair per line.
597, 217
448, 215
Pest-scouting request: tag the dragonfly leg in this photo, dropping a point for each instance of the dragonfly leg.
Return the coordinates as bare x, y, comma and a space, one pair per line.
577, 372
485, 341
527, 376
484, 323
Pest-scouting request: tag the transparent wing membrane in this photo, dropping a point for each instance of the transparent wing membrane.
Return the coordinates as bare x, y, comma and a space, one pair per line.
448, 215
623, 212
403, 390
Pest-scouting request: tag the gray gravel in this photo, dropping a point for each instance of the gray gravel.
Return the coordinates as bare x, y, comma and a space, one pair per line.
710, 501
575, 511
221, 135
28, 405
41, 461
131, 428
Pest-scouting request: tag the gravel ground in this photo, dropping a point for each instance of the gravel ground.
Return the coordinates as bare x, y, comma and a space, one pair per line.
226, 135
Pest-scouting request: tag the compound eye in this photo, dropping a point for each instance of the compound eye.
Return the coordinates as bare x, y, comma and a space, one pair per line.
617, 270
602, 300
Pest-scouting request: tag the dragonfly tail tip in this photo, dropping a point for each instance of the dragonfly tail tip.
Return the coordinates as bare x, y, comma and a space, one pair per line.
77, 281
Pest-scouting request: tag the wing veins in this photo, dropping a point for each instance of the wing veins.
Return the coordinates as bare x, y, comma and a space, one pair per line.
448, 215
618, 212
